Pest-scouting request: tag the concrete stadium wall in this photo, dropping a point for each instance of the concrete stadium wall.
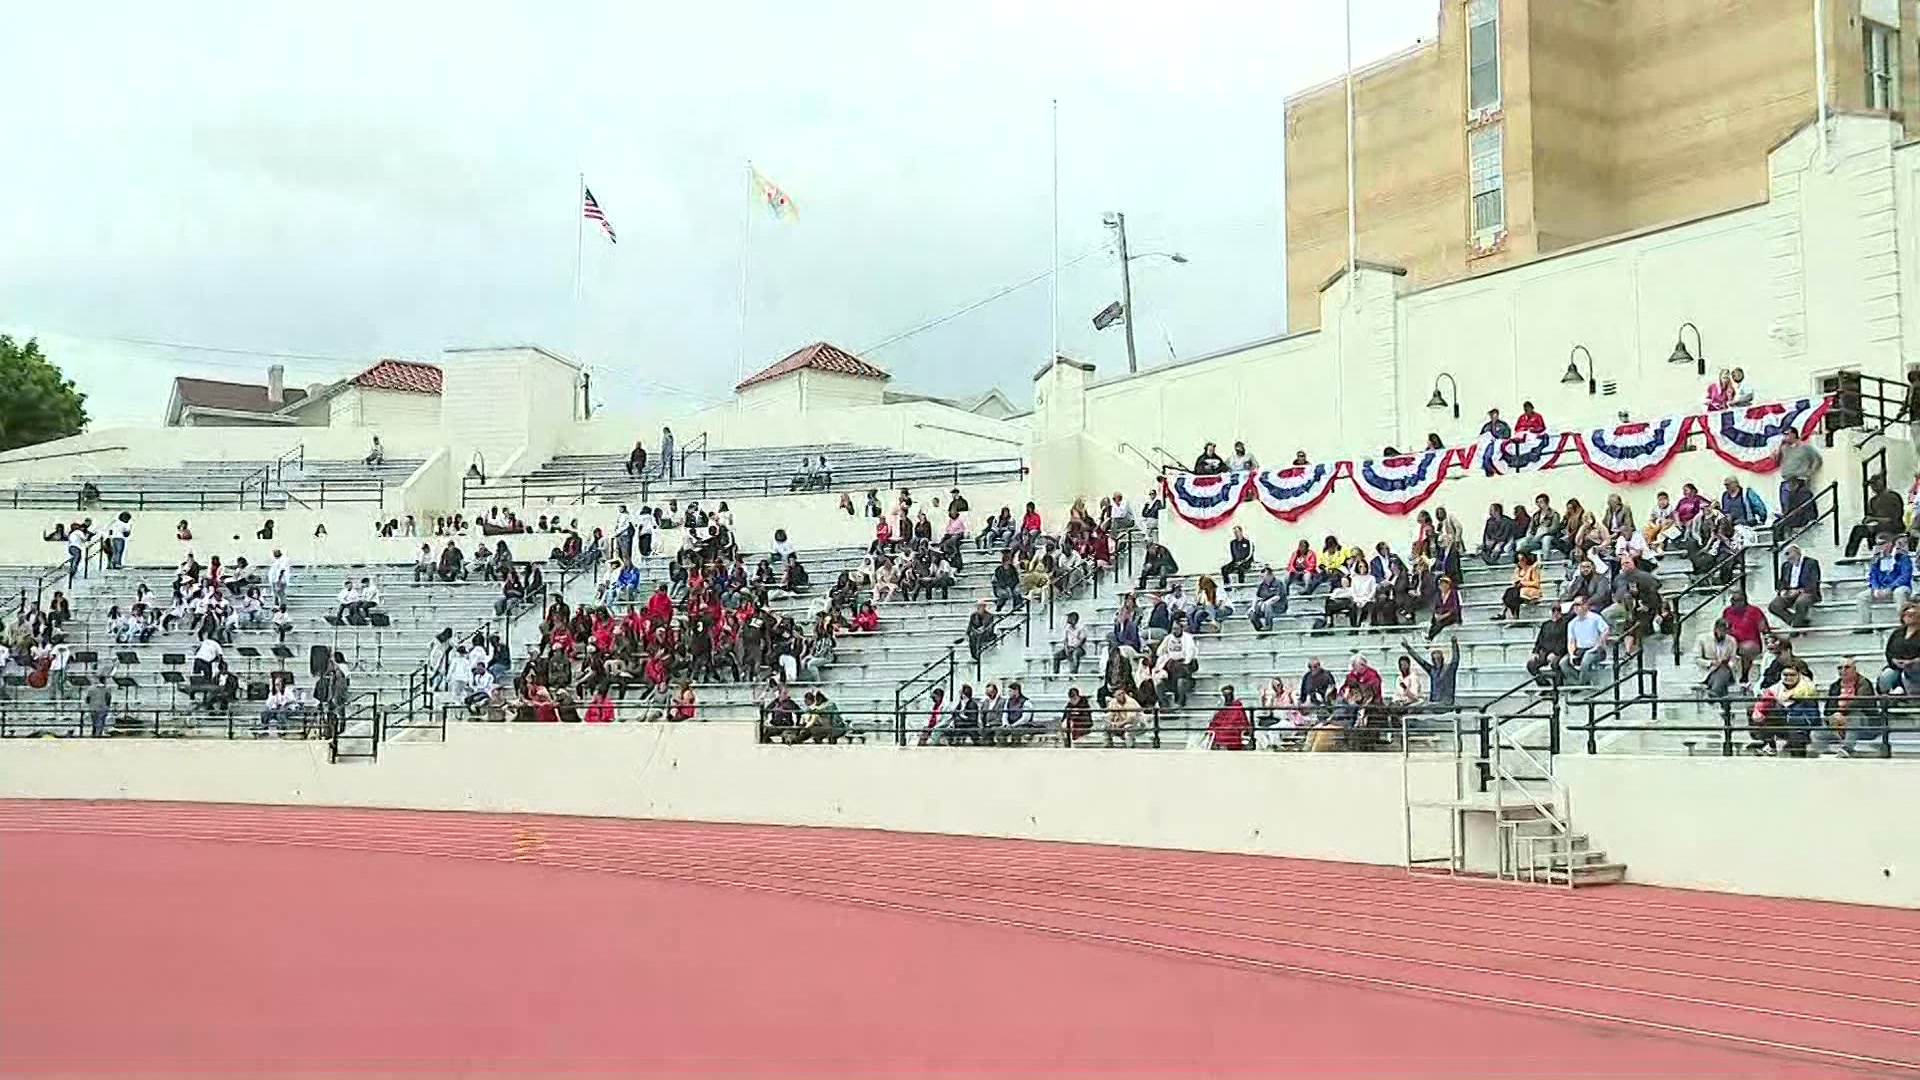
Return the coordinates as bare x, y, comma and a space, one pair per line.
1817, 829
1831, 828
1264, 803
919, 426
159, 447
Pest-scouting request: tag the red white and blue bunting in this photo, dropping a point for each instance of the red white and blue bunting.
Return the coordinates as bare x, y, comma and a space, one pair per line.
1748, 438
1520, 454
1289, 493
1633, 453
1636, 452
1206, 501
1398, 485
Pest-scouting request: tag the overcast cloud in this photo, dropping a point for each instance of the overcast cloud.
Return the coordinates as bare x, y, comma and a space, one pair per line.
352, 180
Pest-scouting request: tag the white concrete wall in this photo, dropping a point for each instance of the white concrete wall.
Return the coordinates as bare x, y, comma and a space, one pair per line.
356, 407
1266, 803
158, 446
827, 389
1829, 829
506, 402
1835, 830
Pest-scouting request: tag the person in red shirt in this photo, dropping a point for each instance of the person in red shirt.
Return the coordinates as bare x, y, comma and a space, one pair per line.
866, 620
1529, 422
1230, 727
1747, 626
1030, 521
659, 606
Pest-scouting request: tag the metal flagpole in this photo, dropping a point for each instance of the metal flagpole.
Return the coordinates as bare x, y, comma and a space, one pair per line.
579, 254
1353, 230
746, 264
1053, 279
1820, 71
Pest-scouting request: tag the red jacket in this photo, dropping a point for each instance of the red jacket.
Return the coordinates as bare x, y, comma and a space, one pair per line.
1530, 424
659, 608
1230, 727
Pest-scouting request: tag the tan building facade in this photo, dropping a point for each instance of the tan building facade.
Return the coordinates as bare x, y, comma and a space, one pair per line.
1531, 126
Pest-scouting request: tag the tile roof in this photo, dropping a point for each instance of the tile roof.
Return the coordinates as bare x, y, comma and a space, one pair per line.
405, 376
232, 396
818, 356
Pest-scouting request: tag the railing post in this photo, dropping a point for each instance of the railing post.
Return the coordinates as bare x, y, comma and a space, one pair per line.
1726, 729
1593, 740
1156, 727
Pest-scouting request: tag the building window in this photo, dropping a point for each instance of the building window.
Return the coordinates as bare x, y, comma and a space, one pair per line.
1881, 50
1485, 148
1483, 55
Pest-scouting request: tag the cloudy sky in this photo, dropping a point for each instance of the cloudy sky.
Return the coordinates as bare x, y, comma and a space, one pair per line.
344, 181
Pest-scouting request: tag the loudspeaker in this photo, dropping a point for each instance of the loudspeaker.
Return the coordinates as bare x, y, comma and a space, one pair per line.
317, 658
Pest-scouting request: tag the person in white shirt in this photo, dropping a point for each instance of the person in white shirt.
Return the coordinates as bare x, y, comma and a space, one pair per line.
280, 575
205, 657
1179, 659
369, 595
782, 547
1587, 636
117, 532
1073, 644
77, 540
1119, 513
277, 712
253, 613
349, 599
1629, 547
282, 623
479, 688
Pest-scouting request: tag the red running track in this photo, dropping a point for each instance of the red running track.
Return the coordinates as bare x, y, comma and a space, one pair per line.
184, 939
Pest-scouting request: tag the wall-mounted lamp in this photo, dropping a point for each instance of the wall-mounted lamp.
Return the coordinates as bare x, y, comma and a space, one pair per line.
1698, 357
1572, 377
1439, 400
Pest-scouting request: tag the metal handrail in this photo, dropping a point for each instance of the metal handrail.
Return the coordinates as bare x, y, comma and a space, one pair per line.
971, 434
582, 486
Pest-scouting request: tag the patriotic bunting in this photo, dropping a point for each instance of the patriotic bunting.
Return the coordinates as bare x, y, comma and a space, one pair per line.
1398, 485
1747, 438
1520, 454
1626, 454
1206, 501
1634, 453
1289, 493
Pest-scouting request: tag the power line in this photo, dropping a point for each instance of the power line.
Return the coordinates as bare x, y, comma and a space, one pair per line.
982, 302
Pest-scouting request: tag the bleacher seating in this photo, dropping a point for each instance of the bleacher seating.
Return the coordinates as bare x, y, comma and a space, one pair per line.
221, 485
735, 474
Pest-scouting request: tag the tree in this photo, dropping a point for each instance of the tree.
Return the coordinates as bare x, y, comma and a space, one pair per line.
37, 402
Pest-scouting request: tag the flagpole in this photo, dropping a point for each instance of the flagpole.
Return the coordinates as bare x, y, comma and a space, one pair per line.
579, 254
1353, 229
746, 279
1053, 278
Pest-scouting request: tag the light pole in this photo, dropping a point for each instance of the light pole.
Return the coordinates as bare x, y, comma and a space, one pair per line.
1118, 223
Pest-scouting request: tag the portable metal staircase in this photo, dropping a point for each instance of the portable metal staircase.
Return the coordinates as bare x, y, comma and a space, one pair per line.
1507, 816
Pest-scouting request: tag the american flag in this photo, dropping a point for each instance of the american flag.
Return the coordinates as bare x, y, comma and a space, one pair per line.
594, 213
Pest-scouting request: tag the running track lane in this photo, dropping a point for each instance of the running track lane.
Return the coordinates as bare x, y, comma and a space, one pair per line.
195, 939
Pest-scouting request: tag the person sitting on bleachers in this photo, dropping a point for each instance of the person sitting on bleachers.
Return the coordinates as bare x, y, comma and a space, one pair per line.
1784, 714
349, 601
1855, 714
1889, 577
1239, 557
452, 566
1799, 589
276, 713
252, 613
1270, 600
1496, 535
1157, 563
377, 455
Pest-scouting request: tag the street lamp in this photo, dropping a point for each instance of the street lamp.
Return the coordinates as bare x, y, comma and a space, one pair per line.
1439, 400
1698, 357
1572, 377
1118, 223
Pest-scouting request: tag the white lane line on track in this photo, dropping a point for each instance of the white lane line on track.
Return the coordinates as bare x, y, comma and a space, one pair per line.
336, 834
1378, 982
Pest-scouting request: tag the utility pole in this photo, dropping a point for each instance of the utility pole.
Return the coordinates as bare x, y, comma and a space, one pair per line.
1118, 222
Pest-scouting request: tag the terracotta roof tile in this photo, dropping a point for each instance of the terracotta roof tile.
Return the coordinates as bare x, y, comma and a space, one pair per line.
405, 376
818, 356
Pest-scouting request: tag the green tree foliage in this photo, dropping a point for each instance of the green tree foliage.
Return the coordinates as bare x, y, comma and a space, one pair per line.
37, 402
